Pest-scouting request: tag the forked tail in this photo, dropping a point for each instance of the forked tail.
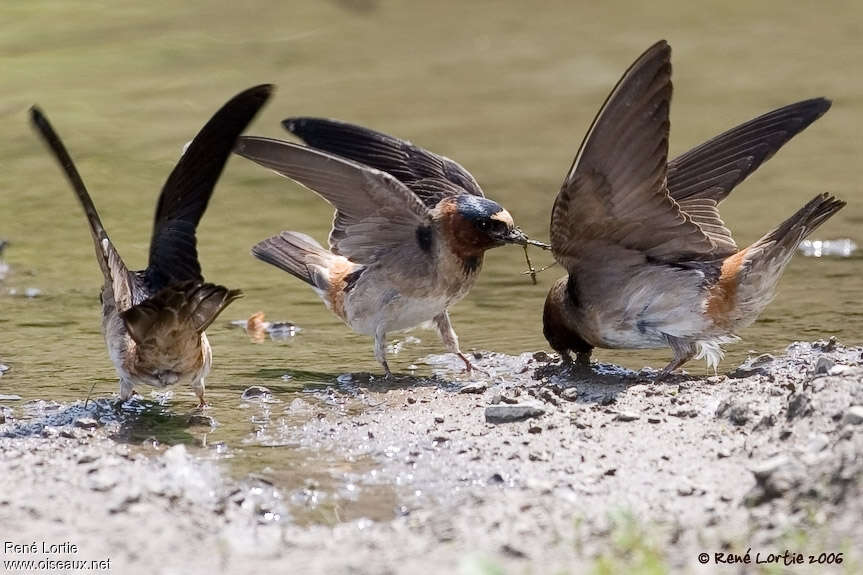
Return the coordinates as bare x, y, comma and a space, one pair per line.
763, 262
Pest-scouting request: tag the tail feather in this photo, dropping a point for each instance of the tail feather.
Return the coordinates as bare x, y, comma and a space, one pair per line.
178, 310
763, 262
788, 235
299, 255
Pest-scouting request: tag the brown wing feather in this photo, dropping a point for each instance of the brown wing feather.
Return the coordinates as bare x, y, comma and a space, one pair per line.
714, 168
376, 215
615, 191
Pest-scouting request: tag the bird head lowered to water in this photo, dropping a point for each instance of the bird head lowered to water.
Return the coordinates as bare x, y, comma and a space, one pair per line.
154, 320
650, 262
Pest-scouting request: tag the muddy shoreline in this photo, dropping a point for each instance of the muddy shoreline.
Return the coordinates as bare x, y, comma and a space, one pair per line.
607, 472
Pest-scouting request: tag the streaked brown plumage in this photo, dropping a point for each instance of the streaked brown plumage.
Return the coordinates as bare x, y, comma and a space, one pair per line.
650, 262
408, 236
154, 320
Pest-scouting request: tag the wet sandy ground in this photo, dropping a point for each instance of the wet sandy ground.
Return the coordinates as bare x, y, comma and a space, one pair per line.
607, 473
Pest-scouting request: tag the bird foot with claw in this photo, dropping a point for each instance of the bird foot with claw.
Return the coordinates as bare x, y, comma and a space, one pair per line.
469, 367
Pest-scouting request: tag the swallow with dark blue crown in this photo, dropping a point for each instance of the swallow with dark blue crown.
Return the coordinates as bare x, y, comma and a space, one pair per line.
650, 262
409, 233
154, 320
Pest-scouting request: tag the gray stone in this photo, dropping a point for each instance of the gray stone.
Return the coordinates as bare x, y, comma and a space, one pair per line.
510, 413
823, 365
86, 423
256, 392
627, 416
854, 415
736, 411
799, 405
474, 387
569, 394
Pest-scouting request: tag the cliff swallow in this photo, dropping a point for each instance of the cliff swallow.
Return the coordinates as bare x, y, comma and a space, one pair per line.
154, 319
650, 262
408, 236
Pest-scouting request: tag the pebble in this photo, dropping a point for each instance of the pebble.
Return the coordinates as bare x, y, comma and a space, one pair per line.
86, 423
736, 411
824, 365
627, 416
569, 394
49, 432
654, 420
767, 468
854, 415
256, 392
438, 419
686, 490
798, 405
534, 429
510, 413
474, 387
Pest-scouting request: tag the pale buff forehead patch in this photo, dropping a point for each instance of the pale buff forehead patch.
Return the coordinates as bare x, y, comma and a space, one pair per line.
504, 216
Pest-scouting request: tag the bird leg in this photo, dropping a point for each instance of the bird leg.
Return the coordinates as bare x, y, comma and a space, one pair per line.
381, 350
683, 352
450, 341
198, 388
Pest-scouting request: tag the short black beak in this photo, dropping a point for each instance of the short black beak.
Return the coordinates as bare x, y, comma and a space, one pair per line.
514, 236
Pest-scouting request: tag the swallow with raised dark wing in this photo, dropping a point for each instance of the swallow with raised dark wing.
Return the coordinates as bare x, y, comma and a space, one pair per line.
408, 236
650, 262
154, 320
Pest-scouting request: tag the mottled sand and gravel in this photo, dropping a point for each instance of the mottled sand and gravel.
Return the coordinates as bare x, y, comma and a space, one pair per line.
607, 473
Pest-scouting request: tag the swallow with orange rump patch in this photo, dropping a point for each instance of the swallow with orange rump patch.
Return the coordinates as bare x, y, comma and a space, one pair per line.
650, 262
409, 233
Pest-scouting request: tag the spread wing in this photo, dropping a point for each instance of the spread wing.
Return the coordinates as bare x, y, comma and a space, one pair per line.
430, 176
377, 217
186, 193
123, 285
615, 193
714, 168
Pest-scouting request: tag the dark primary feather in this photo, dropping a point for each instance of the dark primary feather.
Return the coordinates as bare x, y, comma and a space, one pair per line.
113, 268
184, 198
714, 168
428, 175
615, 192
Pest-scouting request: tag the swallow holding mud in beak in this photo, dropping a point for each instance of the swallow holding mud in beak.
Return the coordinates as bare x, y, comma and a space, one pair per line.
154, 319
650, 262
408, 236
